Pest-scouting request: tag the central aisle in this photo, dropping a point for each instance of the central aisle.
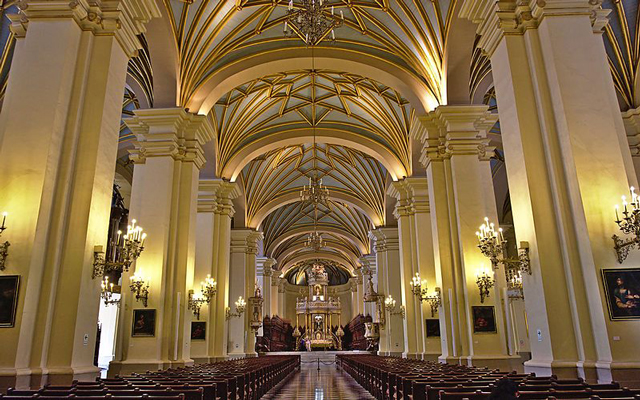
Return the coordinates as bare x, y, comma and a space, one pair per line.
326, 384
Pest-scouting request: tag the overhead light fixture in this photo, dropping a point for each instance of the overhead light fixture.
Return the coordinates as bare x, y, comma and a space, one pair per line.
312, 21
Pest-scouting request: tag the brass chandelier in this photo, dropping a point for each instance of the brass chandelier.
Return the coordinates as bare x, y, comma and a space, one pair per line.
312, 21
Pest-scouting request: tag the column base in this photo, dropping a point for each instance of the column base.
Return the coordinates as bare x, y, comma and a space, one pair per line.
35, 378
128, 367
627, 374
430, 356
502, 362
563, 369
200, 360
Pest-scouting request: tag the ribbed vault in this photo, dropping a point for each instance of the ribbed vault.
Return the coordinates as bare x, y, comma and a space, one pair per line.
274, 179
298, 273
344, 108
211, 35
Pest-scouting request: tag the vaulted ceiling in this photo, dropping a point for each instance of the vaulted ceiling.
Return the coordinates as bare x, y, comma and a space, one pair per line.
211, 35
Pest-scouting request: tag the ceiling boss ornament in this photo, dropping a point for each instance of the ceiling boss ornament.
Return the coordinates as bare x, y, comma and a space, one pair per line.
312, 21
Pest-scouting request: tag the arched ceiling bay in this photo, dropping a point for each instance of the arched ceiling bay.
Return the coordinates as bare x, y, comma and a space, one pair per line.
298, 273
344, 229
342, 107
276, 178
211, 35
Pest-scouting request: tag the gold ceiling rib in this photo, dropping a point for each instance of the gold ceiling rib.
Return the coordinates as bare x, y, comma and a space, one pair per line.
278, 175
301, 99
212, 34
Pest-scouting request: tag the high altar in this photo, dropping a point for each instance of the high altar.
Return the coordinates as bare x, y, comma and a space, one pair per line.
318, 312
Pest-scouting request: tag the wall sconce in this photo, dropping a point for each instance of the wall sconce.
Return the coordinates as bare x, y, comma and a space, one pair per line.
121, 253
485, 283
629, 225
107, 292
195, 303
390, 305
4, 247
209, 288
138, 288
492, 245
419, 288
240, 306
515, 289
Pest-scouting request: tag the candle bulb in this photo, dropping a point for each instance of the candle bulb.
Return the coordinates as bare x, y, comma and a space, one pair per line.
341, 15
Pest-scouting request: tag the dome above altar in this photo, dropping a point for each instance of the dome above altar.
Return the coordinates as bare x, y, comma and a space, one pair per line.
300, 272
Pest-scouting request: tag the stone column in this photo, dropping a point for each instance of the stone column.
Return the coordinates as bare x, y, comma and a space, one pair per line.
223, 193
270, 264
631, 120
456, 155
241, 281
392, 340
281, 297
264, 269
568, 162
58, 149
413, 193
168, 155
353, 283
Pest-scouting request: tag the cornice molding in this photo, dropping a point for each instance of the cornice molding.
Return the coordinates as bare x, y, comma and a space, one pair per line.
124, 19
500, 18
171, 132
456, 130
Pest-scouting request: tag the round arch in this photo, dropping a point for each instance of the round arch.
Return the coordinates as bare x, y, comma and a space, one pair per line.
301, 136
255, 66
316, 255
290, 198
322, 229
341, 250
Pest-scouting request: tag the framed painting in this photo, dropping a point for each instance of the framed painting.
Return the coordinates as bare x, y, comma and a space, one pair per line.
484, 319
9, 289
622, 292
198, 330
433, 327
144, 323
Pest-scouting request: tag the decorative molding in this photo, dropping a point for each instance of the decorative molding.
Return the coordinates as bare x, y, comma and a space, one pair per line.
171, 132
124, 19
498, 19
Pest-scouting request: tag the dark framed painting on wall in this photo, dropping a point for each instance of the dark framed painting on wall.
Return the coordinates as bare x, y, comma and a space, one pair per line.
9, 289
484, 319
144, 323
198, 330
433, 327
622, 292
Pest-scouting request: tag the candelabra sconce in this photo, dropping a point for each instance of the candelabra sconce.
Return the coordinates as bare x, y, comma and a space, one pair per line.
420, 290
121, 252
4, 247
240, 306
515, 289
256, 309
390, 305
209, 288
492, 244
138, 287
107, 292
485, 283
195, 303
629, 224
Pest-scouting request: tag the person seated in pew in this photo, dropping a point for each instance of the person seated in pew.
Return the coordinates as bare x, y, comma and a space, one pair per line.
504, 389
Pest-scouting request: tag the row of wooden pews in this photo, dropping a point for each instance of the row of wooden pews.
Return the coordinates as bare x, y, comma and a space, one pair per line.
240, 379
388, 378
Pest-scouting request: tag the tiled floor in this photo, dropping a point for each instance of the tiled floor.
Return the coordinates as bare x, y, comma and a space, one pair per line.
326, 384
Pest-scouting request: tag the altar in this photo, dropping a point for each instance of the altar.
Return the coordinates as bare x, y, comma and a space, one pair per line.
317, 312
